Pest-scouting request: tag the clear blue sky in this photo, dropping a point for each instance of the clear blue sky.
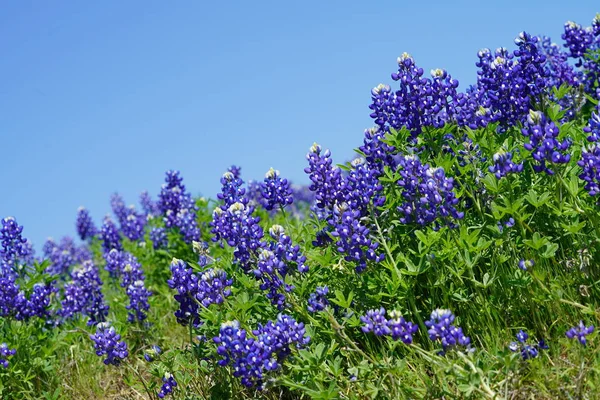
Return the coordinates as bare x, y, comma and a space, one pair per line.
104, 96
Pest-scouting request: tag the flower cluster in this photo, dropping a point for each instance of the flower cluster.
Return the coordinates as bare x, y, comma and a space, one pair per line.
593, 128
273, 265
419, 101
84, 295
252, 358
13, 246
590, 165
11, 299
209, 287
38, 303
396, 326
428, 194
543, 142
138, 301
85, 225
109, 234
507, 82
317, 301
347, 202
107, 342
158, 236
133, 224
557, 68
169, 383
237, 227
326, 178
5, 353
441, 328
504, 165
231, 189
177, 207
527, 351
149, 206
117, 205
352, 237
580, 332
577, 39
64, 255
275, 191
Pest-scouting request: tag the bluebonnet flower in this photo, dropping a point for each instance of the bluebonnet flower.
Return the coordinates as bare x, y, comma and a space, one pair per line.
5, 353
10, 296
375, 150
580, 332
347, 200
419, 101
400, 328
13, 245
396, 327
169, 383
353, 237
178, 207
107, 342
173, 197
273, 265
213, 287
64, 255
186, 222
504, 165
85, 225
428, 194
590, 165
152, 353
39, 301
543, 142
508, 81
113, 263
326, 179
158, 236
441, 328
317, 301
186, 283
577, 39
593, 128
109, 234
84, 295
253, 193
236, 171
525, 264
596, 26
130, 269
201, 249
237, 227
275, 191
117, 204
209, 287
363, 187
231, 190
558, 70
252, 358
509, 224
133, 224
375, 321
527, 350
149, 206
138, 301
